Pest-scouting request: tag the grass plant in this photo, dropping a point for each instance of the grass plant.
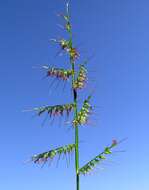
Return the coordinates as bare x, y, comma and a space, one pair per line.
78, 79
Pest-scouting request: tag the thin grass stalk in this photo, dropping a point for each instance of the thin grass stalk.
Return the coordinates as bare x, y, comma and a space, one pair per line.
75, 101
76, 127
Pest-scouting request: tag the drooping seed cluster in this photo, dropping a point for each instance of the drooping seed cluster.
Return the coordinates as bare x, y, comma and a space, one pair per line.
102, 156
56, 110
81, 79
59, 73
49, 155
83, 114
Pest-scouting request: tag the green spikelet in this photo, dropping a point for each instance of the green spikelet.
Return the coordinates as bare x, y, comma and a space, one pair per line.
58, 73
56, 110
83, 114
87, 168
81, 79
50, 155
66, 45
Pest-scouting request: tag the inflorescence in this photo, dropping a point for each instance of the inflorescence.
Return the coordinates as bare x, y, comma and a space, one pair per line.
83, 114
59, 73
56, 110
81, 79
102, 156
49, 155
80, 117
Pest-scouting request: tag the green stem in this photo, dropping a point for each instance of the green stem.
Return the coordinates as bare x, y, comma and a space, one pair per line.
76, 138
75, 115
76, 134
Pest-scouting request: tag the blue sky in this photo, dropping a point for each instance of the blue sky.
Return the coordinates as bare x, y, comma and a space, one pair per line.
116, 33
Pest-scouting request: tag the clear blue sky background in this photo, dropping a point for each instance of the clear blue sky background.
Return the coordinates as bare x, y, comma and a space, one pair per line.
117, 34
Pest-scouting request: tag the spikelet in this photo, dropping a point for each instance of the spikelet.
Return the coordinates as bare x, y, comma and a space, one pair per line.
49, 155
66, 45
58, 73
81, 79
83, 114
56, 110
67, 22
74, 54
87, 168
